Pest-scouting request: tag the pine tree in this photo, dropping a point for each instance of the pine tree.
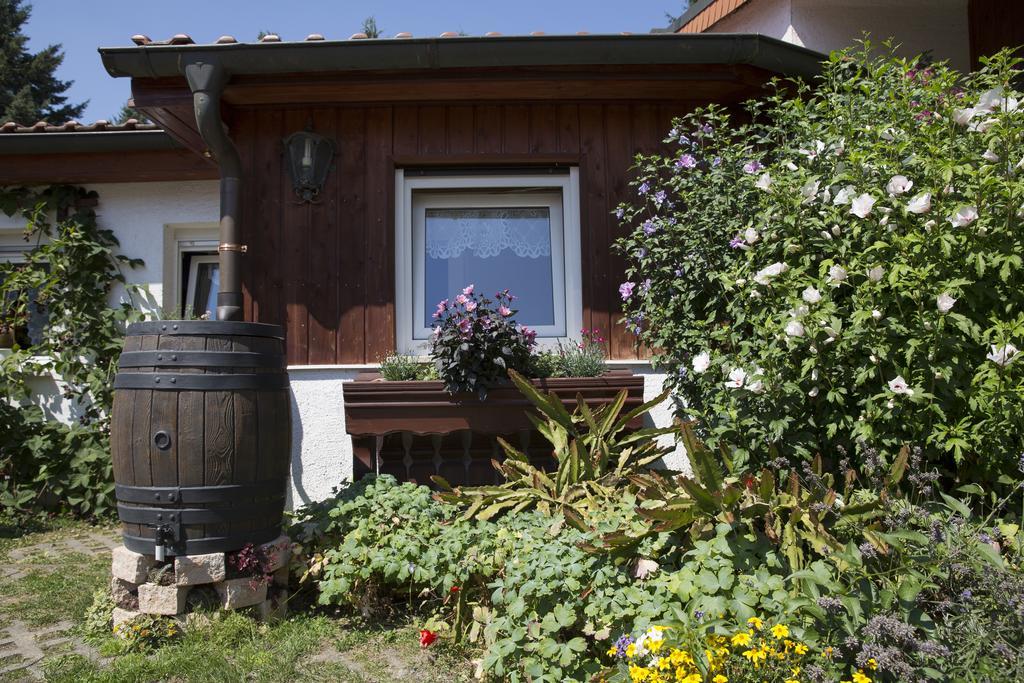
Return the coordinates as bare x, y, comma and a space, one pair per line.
130, 112
29, 89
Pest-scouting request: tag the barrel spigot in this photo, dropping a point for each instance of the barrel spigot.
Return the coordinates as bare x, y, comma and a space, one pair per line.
162, 536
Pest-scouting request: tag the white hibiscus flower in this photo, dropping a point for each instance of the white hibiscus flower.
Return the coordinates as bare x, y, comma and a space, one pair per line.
899, 184
1003, 355
861, 206
837, 275
964, 216
944, 302
900, 386
701, 362
922, 203
811, 295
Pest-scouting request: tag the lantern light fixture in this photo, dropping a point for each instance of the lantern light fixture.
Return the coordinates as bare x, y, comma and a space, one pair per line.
309, 161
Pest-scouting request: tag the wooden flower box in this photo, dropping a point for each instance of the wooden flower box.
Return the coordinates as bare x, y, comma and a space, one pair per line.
414, 429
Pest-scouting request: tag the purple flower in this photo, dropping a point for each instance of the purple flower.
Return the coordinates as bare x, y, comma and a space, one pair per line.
649, 227
621, 644
634, 323
707, 129
641, 253
717, 161
620, 213
644, 188
679, 272
465, 326
645, 286
659, 197
752, 166
736, 242
626, 290
686, 161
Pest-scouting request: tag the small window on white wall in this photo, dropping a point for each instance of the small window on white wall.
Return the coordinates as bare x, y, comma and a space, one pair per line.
515, 232
202, 285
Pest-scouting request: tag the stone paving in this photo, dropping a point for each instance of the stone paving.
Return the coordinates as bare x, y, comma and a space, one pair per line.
23, 647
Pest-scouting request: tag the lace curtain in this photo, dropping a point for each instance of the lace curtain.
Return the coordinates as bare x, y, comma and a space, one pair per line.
485, 233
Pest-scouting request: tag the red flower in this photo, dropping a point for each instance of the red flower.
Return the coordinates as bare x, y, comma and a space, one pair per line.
748, 481
427, 637
455, 589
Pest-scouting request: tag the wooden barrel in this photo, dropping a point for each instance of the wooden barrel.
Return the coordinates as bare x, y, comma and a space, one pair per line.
200, 435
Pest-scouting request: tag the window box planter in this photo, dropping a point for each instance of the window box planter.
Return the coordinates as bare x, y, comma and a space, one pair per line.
388, 420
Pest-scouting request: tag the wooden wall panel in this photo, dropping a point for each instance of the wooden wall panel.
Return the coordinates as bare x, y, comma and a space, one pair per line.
350, 184
327, 271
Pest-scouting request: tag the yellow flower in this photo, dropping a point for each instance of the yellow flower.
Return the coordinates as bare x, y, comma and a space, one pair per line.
755, 656
655, 645
827, 652
795, 671
792, 680
612, 651
631, 650
719, 679
755, 622
859, 677
638, 674
741, 639
691, 678
780, 631
872, 664
664, 663
801, 649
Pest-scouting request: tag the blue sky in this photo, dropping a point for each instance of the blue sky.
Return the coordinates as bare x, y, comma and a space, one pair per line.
83, 26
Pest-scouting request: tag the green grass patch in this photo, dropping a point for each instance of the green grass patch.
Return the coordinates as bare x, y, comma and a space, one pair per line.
303, 648
50, 594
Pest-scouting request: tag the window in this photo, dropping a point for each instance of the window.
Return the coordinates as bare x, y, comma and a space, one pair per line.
31, 332
191, 270
519, 232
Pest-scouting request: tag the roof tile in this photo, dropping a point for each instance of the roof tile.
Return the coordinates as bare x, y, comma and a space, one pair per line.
11, 127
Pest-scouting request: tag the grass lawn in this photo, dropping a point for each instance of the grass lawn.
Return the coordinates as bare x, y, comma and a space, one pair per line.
310, 645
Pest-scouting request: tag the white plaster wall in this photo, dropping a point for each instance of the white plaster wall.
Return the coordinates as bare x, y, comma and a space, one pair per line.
140, 213
768, 17
826, 25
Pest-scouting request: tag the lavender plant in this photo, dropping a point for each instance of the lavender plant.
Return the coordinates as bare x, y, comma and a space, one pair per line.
844, 267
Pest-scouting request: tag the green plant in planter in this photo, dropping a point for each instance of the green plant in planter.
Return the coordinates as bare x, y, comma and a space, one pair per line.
399, 367
596, 453
476, 341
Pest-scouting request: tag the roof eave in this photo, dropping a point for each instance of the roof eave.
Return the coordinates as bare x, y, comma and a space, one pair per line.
157, 61
86, 142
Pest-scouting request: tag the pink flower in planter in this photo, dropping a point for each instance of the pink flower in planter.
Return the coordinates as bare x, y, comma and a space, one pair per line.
470, 306
461, 299
468, 290
465, 326
504, 311
442, 306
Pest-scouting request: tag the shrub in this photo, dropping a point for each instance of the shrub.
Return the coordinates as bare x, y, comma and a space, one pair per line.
476, 341
585, 358
399, 367
595, 449
844, 268
45, 464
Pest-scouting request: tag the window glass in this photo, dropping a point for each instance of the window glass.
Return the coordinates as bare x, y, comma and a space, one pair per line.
493, 248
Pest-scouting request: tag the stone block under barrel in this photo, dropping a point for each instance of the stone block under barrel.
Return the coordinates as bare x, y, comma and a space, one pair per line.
200, 436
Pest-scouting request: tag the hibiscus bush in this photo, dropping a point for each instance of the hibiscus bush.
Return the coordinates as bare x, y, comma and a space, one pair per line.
837, 270
476, 341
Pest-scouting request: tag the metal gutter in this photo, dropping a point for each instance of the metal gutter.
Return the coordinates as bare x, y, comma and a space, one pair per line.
156, 61
86, 142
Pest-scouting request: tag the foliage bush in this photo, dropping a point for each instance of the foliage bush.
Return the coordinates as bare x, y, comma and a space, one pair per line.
842, 266
399, 367
70, 270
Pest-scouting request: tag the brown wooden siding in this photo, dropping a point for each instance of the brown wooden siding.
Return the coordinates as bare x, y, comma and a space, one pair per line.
993, 25
326, 271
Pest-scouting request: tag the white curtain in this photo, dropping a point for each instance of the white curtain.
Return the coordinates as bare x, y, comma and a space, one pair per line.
485, 233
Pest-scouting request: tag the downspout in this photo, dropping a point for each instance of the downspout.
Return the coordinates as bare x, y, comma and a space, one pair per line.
207, 79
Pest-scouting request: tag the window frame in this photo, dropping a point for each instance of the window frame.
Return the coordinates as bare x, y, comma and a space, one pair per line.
181, 239
193, 277
409, 283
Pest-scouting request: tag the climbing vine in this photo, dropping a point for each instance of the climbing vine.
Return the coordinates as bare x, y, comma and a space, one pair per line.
63, 286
